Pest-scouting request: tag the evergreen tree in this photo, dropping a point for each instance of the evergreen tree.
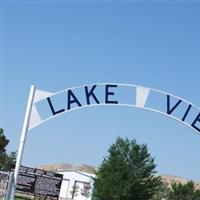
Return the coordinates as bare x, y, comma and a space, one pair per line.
127, 173
162, 192
6, 161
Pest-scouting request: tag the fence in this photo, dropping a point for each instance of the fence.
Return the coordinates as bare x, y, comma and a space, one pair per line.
4, 177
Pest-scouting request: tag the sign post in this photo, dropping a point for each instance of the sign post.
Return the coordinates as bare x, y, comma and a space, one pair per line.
23, 135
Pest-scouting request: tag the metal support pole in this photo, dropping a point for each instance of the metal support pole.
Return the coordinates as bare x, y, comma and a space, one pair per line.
23, 135
9, 186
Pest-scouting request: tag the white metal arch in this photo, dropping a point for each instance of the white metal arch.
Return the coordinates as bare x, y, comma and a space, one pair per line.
121, 104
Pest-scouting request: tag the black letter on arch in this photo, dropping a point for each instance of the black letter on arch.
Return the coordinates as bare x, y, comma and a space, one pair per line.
170, 110
108, 93
186, 112
197, 119
73, 100
91, 93
52, 108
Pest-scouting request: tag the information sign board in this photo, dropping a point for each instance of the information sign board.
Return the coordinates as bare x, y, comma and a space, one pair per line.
39, 183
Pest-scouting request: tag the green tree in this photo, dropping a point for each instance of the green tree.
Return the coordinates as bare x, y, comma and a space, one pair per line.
127, 173
162, 192
6, 161
184, 192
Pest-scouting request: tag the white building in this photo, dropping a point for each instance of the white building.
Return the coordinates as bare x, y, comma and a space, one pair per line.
77, 181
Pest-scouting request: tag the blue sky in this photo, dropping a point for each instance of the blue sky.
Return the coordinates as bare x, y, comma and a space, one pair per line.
56, 45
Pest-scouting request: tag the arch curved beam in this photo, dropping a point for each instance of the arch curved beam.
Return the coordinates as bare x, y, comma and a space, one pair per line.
142, 97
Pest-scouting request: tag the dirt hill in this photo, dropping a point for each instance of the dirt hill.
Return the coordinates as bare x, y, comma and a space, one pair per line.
175, 179
69, 167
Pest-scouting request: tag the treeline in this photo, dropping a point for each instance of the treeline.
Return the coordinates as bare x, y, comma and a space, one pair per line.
7, 161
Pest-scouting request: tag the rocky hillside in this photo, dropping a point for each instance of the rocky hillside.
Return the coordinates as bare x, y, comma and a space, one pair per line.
69, 167
175, 179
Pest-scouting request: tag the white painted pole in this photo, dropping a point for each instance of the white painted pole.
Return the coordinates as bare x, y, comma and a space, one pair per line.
23, 135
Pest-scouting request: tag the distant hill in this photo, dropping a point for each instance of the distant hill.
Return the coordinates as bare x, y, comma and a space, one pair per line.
175, 179
91, 169
69, 167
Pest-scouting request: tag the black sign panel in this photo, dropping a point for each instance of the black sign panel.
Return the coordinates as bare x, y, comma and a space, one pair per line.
39, 183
